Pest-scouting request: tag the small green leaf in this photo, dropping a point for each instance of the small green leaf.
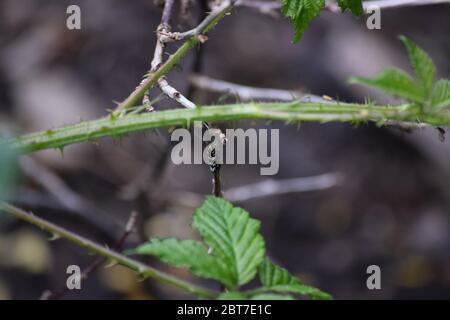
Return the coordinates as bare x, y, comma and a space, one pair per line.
278, 279
441, 94
232, 296
233, 237
424, 91
395, 82
355, 6
422, 64
272, 296
301, 13
187, 253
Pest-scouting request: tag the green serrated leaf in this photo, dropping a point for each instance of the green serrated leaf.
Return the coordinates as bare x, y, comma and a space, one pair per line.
441, 94
233, 236
395, 82
301, 13
187, 253
272, 296
278, 279
232, 296
423, 66
355, 6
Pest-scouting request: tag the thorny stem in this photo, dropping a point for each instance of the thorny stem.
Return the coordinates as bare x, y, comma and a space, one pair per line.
289, 112
174, 94
164, 28
129, 227
142, 269
270, 187
213, 18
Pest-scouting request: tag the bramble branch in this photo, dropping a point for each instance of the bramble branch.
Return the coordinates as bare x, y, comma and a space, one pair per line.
247, 93
152, 78
290, 112
163, 29
271, 187
142, 269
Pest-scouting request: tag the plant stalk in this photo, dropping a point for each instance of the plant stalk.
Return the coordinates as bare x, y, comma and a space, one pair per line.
289, 112
140, 268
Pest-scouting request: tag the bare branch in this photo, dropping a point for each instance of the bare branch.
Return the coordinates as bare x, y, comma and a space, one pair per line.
265, 188
153, 76
164, 28
247, 93
407, 126
272, 187
271, 7
174, 94
111, 255
216, 12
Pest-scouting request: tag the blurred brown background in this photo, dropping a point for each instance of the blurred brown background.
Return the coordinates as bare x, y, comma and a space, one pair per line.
392, 208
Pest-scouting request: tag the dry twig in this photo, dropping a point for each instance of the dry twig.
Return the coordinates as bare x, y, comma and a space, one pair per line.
273, 7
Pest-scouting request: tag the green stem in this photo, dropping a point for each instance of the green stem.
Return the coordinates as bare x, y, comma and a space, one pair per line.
153, 77
137, 266
289, 112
